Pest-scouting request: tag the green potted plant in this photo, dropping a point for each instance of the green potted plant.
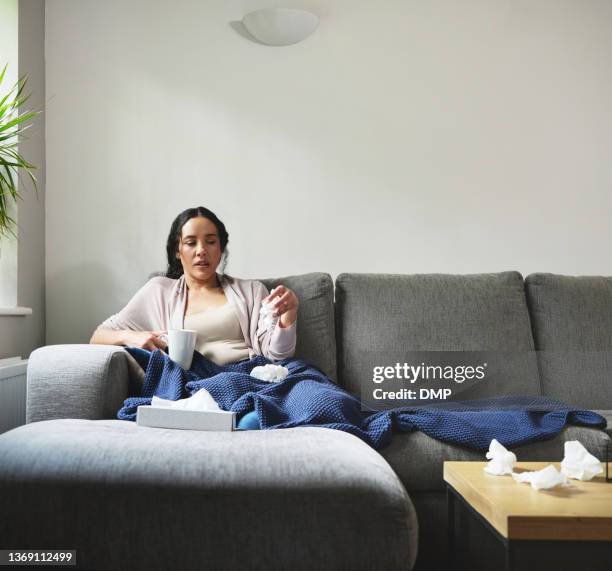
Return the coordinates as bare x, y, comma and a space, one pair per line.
12, 163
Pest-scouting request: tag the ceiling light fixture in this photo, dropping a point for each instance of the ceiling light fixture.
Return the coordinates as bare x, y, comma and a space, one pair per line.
280, 26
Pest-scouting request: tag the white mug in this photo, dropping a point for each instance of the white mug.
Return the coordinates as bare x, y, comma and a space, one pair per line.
181, 344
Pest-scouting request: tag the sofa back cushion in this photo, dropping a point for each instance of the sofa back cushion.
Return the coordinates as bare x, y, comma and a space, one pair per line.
381, 317
316, 340
572, 328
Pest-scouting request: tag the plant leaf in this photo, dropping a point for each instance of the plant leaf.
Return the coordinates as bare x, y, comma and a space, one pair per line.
16, 121
13, 123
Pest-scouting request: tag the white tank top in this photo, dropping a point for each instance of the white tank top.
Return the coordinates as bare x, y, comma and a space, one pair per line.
220, 338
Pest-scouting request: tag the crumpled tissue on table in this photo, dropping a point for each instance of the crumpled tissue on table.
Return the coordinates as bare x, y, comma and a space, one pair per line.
501, 460
544, 479
578, 463
202, 400
270, 373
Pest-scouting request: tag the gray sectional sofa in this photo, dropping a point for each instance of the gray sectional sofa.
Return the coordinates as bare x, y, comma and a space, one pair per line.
128, 497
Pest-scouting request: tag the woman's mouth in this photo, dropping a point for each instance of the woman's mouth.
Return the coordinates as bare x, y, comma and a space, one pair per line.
202, 264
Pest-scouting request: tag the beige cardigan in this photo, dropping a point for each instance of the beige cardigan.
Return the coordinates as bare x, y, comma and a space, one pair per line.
161, 304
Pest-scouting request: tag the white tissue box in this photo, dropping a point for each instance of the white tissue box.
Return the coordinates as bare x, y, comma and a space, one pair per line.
161, 417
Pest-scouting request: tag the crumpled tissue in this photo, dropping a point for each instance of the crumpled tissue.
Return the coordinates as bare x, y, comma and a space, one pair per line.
544, 479
202, 400
501, 460
270, 373
267, 311
578, 463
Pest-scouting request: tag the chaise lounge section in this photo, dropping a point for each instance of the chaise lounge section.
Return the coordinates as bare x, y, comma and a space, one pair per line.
129, 497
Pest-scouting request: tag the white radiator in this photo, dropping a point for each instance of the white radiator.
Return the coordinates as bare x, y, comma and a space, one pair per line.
12, 393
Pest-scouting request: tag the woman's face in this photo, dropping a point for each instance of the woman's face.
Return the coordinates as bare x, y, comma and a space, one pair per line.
199, 248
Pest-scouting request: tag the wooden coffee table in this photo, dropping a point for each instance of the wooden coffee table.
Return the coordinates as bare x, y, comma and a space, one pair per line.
517, 513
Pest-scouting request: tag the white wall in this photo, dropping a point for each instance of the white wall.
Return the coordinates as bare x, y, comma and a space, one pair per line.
404, 136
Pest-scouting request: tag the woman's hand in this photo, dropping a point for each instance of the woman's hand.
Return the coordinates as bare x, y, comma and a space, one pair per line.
149, 340
284, 305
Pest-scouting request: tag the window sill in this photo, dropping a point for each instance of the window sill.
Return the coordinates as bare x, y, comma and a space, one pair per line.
20, 311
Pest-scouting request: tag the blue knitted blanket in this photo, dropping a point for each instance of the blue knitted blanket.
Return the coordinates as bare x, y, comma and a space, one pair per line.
306, 397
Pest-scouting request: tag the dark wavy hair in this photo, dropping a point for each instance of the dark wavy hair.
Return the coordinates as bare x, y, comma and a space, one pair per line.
175, 268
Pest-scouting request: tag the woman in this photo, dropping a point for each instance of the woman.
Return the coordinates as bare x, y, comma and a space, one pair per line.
226, 312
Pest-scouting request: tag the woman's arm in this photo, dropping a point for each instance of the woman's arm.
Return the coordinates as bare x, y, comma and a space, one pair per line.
284, 304
279, 342
139, 323
149, 340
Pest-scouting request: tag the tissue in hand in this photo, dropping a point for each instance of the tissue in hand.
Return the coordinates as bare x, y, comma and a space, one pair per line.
202, 400
544, 479
267, 311
501, 460
270, 373
578, 463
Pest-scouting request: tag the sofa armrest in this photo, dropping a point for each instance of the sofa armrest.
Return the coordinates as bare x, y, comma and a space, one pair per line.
76, 381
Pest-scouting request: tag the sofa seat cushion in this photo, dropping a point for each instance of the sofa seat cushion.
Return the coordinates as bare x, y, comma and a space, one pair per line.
130, 497
418, 459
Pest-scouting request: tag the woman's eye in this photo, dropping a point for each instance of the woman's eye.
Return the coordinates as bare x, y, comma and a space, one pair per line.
212, 243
